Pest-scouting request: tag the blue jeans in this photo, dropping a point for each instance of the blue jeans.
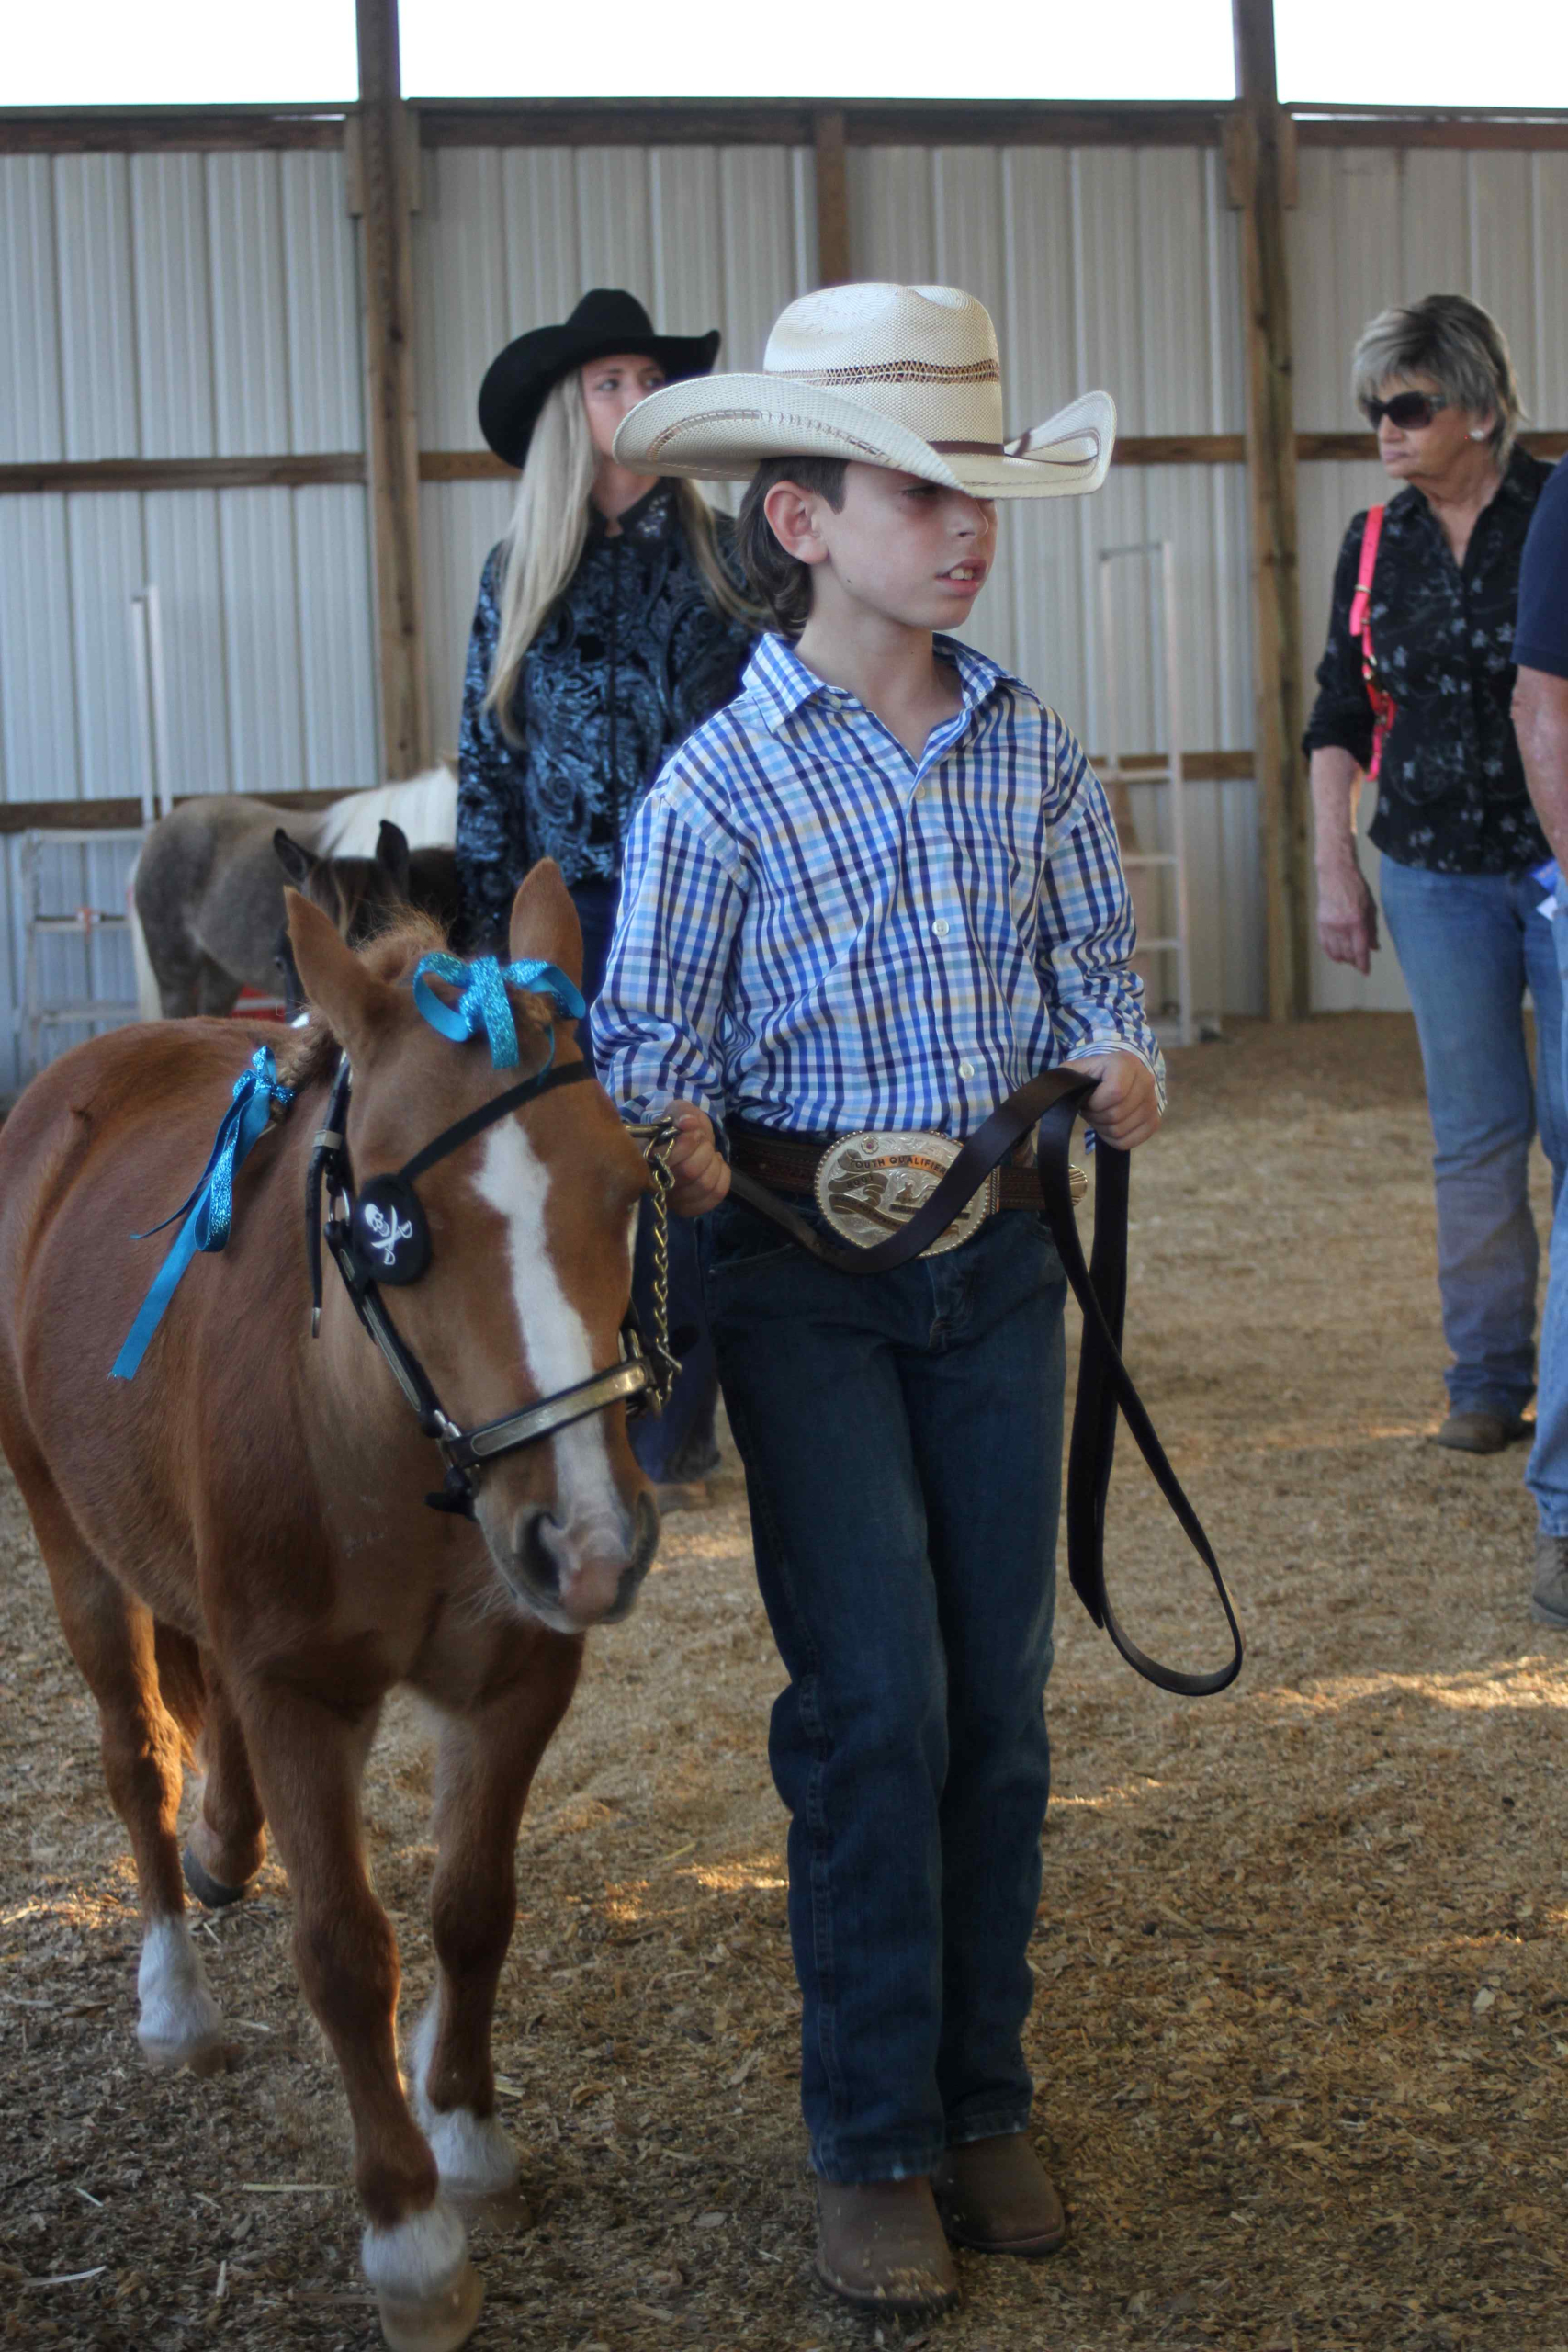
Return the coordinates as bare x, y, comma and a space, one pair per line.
678, 1445
902, 1439
1469, 945
1547, 1476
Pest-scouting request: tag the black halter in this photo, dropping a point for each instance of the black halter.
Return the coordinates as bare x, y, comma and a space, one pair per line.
379, 1235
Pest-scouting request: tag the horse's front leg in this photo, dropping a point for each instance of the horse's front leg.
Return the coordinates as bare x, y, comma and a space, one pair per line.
488, 1755
308, 1760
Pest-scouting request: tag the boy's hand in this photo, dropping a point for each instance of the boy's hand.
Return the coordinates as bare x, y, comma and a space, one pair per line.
699, 1168
1125, 1106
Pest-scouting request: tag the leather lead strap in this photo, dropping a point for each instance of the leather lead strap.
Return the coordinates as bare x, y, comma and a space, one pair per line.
1051, 1103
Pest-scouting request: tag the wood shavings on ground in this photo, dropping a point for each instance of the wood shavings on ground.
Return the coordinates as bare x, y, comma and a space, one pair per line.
1302, 2021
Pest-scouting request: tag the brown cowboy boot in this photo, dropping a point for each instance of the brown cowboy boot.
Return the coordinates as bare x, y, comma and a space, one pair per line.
995, 2196
880, 2245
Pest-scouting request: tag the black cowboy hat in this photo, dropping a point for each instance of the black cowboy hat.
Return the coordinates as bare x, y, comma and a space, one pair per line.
604, 321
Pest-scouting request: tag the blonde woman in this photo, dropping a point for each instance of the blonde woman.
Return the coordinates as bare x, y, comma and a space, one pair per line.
608, 626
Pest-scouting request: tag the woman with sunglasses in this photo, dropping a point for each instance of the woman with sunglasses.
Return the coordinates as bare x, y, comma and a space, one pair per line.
608, 625
1414, 689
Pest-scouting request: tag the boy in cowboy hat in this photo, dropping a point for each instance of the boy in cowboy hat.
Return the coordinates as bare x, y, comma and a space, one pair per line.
877, 892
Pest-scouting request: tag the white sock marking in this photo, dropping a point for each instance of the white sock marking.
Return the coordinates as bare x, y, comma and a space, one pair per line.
473, 2155
179, 2017
417, 2259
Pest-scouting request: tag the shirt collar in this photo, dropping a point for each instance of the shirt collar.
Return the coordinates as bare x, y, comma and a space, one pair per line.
778, 681
648, 519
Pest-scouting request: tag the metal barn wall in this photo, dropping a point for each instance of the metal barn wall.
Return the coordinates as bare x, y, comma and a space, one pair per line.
1104, 266
1379, 225
509, 239
176, 305
1113, 267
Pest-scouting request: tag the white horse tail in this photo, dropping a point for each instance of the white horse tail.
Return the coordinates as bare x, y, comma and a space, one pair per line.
149, 1001
426, 806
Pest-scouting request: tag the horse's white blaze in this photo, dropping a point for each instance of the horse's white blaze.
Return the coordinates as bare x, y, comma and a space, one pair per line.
417, 2258
515, 1181
179, 2017
473, 2155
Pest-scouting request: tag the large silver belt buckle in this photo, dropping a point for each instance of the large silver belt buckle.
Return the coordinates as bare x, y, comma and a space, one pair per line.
869, 1186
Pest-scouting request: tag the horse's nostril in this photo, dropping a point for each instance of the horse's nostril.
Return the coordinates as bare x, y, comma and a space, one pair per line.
541, 1560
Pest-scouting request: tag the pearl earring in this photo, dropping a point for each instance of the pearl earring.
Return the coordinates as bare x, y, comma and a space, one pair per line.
1480, 432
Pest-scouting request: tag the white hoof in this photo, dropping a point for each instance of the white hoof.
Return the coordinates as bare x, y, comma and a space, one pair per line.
473, 2155
180, 2024
427, 2291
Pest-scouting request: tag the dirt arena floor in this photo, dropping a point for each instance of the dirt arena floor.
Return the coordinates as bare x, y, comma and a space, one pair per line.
1302, 2024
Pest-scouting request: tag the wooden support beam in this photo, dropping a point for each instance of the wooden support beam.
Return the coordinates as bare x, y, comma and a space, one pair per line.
1259, 159
832, 199
383, 152
86, 474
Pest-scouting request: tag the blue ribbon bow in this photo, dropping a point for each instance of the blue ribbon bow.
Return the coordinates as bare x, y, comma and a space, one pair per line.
484, 1005
209, 1211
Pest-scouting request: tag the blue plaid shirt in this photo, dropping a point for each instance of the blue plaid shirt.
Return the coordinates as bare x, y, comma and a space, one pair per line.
820, 932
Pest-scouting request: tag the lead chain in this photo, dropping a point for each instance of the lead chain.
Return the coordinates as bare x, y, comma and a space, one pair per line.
656, 1141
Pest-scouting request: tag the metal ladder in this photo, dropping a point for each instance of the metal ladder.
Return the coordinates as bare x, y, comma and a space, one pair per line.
1178, 1027
39, 1012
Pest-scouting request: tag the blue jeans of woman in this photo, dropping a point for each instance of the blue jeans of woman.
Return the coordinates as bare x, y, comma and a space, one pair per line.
677, 1445
902, 1440
1469, 946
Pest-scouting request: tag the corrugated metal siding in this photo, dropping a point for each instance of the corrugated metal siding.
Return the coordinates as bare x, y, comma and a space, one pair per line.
183, 305
1113, 267
176, 306
509, 239
1380, 225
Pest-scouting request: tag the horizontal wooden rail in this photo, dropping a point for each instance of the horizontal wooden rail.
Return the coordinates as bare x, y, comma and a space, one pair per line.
113, 815
78, 475
122, 812
184, 473
791, 122
97, 130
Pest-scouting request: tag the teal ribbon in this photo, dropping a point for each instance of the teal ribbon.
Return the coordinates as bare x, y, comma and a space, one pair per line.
209, 1211
483, 1005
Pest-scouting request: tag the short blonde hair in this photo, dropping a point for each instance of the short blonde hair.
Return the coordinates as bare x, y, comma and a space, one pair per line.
1454, 343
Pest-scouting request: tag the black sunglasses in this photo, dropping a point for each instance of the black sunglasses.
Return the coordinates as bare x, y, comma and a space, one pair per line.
1404, 409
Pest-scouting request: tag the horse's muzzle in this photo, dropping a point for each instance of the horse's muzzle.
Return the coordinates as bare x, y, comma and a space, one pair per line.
573, 1582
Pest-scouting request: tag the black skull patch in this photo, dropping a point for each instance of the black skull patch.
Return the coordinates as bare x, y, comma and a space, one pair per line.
388, 1234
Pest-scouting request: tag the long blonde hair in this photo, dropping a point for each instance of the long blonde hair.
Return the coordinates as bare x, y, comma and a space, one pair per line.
544, 541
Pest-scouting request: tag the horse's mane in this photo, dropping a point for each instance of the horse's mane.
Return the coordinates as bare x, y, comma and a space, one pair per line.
311, 1053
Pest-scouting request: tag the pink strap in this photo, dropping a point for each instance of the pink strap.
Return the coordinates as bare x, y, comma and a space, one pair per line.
1370, 534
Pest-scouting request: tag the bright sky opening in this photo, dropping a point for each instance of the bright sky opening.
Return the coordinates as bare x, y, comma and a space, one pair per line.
187, 52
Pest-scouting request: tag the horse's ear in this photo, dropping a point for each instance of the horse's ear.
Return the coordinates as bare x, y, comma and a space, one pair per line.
295, 858
543, 921
334, 978
392, 855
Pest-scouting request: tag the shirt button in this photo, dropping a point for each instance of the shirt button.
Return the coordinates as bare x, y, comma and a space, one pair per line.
922, 792
940, 927
965, 1069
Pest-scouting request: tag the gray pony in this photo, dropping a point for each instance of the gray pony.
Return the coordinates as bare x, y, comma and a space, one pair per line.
208, 895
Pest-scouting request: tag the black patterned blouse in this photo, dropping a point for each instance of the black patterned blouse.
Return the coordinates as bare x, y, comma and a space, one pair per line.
1451, 793
632, 657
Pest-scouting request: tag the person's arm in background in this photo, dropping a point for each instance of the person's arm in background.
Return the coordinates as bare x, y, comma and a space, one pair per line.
492, 848
1340, 742
1540, 722
1541, 648
1346, 911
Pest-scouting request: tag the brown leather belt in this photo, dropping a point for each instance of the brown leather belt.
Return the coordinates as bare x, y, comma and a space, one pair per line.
789, 1164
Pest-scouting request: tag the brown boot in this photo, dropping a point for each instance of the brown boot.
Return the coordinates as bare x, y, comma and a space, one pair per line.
997, 2197
880, 2244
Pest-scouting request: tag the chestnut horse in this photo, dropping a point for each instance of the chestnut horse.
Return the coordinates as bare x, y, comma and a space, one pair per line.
237, 1539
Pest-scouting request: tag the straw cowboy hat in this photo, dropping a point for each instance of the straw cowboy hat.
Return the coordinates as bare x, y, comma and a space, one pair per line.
605, 321
899, 376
